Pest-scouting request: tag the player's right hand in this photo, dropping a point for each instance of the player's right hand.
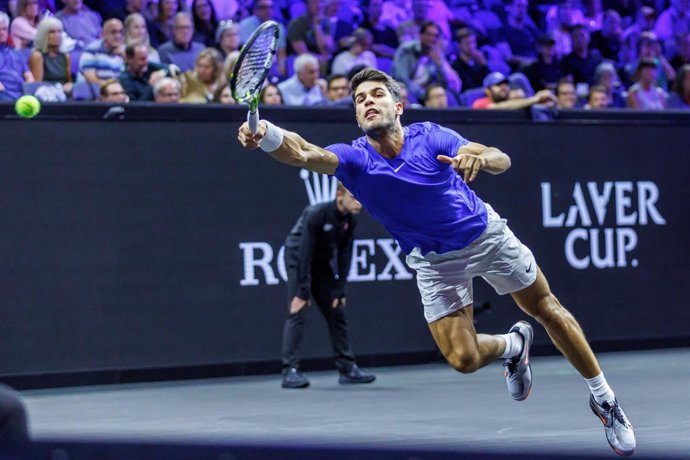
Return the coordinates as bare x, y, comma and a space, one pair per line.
248, 139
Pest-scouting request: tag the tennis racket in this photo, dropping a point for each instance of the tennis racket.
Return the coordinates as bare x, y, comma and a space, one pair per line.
253, 64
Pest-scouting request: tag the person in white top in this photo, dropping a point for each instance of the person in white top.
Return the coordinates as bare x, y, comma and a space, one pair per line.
305, 87
358, 54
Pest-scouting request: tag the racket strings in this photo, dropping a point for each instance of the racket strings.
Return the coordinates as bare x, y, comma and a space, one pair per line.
257, 60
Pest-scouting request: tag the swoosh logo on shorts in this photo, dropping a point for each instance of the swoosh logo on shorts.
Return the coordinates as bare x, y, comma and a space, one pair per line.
529, 267
399, 167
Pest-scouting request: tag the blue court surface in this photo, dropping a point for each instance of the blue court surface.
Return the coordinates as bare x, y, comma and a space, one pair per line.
420, 408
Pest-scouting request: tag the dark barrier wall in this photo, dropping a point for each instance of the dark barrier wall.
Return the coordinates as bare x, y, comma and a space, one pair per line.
149, 244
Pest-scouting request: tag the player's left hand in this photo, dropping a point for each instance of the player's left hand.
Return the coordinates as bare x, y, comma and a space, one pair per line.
466, 164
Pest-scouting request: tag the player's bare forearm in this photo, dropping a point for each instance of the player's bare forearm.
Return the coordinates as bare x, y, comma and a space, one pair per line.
296, 151
495, 161
292, 149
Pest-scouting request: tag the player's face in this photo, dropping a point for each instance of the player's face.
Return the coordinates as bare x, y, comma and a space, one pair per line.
348, 203
375, 108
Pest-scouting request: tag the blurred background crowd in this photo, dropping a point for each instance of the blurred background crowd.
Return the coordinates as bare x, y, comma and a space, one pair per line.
484, 54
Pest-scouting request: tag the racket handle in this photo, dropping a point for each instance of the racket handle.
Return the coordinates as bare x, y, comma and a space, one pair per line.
253, 121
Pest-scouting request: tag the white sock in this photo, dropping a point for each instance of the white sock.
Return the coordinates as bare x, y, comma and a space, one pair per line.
600, 389
514, 343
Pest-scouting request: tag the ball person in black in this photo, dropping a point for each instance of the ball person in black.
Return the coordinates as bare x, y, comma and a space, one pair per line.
318, 252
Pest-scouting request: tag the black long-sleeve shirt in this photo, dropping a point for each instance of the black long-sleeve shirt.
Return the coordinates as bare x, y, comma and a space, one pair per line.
320, 244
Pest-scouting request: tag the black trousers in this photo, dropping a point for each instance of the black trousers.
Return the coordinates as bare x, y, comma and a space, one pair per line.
335, 318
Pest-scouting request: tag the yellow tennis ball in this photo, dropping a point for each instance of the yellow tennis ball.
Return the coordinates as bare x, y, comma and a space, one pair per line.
27, 106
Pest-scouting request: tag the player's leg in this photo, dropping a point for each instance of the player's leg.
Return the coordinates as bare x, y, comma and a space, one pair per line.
336, 319
539, 302
460, 344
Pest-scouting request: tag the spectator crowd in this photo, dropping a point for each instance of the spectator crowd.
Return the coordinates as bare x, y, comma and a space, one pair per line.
484, 54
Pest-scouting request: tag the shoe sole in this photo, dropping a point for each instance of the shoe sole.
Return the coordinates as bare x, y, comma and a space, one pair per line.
356, 382
301, 385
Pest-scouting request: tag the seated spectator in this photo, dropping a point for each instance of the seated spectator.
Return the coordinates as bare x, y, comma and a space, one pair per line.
103, 59
421, 62
606, 76
140, 75
407, 31
682, 55
358, 54
229, 64
435, 11
166, 90
262, 11
25, 23
471, 65
199, 85
644, 22
566, 97
162, 27
559, 21
312, 33
545, 71
608, 40
497, 88
338, 90
46, 61
304, 87
223, 95
679, 97
270, 95
649, 48
520, 34
136, 33
646, 94
435, 97
228, 37
112, 91
674, 21
14, 71
384, 37
342, 17
80, 23
582, 62
181, 50
598, 98
205, 22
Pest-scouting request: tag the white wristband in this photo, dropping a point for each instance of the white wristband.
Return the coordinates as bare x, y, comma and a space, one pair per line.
272, 139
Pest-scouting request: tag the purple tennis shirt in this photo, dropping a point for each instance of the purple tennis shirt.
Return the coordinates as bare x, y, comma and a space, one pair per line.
422, 202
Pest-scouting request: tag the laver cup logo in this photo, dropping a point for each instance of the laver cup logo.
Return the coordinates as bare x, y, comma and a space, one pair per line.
603, 217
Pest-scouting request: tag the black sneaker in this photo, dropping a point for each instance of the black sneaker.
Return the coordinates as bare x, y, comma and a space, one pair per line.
355, 375
293, 378
518, 372
619, 431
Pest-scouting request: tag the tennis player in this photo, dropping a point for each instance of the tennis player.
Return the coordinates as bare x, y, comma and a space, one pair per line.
414, 180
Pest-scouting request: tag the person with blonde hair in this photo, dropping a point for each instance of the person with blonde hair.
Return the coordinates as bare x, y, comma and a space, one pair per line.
136, 33
47, 62
24, 24
200, 84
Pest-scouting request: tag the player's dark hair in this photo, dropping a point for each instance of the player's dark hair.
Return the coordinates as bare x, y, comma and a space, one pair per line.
370, 74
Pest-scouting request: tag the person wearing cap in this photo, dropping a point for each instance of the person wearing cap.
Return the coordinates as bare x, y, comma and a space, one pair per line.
262, 11
497, 89
646, 94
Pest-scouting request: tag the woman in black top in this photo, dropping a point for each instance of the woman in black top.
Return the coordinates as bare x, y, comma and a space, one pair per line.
47, 62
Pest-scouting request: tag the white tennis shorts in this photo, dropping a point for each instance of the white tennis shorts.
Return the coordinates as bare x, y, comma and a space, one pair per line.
445, 280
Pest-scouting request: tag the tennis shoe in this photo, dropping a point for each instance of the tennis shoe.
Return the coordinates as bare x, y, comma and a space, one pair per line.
518, 372
619, 431
293, 378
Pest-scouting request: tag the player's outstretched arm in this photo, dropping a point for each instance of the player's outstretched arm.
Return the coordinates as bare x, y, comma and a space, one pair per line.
473, 157
288, 147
